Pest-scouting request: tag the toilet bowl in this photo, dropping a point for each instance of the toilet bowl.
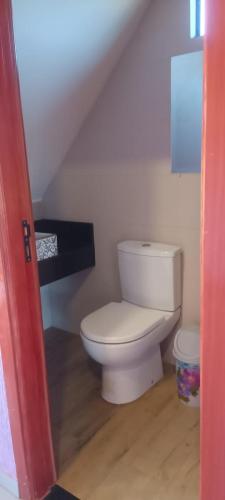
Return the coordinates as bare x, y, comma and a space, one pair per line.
124, 337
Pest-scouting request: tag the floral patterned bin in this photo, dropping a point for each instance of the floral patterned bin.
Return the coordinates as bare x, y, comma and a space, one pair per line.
186, 352
188, 383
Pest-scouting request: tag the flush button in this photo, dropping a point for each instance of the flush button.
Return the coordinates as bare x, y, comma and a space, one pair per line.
146, 245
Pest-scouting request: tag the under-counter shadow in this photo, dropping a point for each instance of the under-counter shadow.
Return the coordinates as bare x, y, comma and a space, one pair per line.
77, 410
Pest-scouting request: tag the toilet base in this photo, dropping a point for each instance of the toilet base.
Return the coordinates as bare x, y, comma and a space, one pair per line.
121, 386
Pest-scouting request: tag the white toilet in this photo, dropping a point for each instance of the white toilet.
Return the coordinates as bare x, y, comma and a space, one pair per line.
125, 337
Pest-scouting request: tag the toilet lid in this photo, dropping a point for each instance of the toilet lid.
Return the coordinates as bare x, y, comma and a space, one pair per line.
118, 323
187, 345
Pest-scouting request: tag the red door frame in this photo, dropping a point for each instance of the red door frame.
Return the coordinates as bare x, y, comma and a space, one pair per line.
213, 259
21, 331
20, 314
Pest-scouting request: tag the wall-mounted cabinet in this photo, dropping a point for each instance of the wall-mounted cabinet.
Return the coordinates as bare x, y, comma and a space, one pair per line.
186, 111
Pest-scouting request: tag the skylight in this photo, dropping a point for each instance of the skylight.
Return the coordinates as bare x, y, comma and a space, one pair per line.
197, 18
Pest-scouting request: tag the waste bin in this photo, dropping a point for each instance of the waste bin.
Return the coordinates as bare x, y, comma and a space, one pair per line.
187, 353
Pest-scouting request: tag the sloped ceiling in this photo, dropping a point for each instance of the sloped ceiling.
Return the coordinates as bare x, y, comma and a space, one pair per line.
66, 50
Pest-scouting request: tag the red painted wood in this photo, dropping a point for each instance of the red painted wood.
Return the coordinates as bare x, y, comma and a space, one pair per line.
21, 335
213, 260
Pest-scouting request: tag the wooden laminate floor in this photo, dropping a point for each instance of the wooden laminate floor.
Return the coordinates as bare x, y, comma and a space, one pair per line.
147, 450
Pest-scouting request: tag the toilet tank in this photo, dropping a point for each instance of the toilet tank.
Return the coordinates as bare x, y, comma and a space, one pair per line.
150, 274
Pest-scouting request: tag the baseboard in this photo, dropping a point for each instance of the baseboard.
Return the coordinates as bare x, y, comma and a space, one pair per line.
9, 484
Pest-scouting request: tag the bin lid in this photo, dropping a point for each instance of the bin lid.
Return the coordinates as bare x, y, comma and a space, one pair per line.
187, 345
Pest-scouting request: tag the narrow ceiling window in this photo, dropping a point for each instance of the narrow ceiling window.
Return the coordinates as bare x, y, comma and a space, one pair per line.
197, 18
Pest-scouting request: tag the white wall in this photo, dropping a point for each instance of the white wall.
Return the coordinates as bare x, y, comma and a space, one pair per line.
65, 53
118, 175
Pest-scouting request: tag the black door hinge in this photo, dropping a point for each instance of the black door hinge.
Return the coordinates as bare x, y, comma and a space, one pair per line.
26, 239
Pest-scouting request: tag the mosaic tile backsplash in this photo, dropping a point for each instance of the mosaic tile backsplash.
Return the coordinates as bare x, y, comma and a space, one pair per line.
46, 245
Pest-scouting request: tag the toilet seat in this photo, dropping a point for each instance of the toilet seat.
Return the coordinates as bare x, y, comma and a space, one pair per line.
119, 323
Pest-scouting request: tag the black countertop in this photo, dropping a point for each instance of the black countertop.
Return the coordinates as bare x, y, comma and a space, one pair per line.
76, 250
